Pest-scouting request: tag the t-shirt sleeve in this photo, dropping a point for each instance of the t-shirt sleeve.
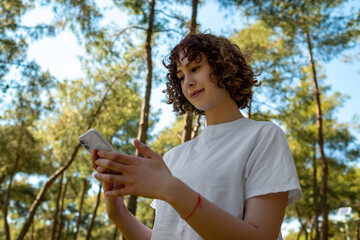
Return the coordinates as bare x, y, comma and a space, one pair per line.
270, 167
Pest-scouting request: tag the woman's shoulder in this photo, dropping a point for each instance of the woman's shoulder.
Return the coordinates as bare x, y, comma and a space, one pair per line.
261, 126
259, 131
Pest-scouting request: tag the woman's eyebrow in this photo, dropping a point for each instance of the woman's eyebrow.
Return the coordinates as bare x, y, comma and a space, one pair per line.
179, 71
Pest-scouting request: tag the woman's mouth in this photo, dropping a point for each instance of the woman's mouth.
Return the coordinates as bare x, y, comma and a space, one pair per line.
196, 93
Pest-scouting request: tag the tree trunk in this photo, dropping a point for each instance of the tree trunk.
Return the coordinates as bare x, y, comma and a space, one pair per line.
55, 218
357, 222
7, 197
186, 136
324, 167
302, 225
32, 232
145, 108
39, 198
91, 223
61, 224
299, 234
315, 206
197, 126
80, 208
12, 174
193, 25
2, 178
358, 229
115, 234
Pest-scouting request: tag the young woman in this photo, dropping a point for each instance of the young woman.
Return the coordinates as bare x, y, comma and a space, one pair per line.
233, 181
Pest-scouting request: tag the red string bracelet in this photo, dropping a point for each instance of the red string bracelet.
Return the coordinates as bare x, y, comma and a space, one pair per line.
197, 204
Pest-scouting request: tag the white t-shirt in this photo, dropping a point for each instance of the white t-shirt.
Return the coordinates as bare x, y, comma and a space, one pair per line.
227, 164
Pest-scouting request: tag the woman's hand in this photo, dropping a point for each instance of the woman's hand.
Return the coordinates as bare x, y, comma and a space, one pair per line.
146, 176
114, 205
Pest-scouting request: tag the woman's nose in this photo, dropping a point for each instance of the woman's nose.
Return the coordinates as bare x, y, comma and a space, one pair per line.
189, 81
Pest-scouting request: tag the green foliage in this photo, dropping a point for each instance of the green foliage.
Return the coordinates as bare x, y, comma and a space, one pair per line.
299, 120
144, 212
81, 16
271, 55
169, 137
107, 99
330, 28
135, 7
12, 49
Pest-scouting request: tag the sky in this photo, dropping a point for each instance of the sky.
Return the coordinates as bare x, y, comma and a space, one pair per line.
60, 54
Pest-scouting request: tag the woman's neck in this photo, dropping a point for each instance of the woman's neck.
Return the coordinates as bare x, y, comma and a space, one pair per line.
222, 115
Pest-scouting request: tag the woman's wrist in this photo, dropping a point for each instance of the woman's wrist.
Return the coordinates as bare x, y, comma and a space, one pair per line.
176, 191
120, 217
170, 191
181, 197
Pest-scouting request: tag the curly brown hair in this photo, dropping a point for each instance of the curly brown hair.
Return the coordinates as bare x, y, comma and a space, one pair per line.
227, 62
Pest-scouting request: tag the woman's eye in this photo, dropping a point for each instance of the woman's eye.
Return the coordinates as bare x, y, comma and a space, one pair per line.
194, 69
181, 78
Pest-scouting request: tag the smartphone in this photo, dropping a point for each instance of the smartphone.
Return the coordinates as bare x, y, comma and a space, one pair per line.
92, 139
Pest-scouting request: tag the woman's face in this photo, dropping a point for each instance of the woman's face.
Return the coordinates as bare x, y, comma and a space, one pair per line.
199, 86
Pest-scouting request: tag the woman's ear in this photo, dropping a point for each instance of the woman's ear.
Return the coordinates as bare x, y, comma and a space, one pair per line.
213, 77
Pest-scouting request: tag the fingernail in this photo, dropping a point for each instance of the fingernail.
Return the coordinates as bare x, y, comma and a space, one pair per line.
96, 175
97, 162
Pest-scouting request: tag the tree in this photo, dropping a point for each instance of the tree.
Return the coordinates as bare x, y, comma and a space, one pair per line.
91, 222
13, 41
53, 177
78, 116
271, 56
80, 208
300, 125
55, 218
188, 129
145, 108
26, 109
14, 38
81, 16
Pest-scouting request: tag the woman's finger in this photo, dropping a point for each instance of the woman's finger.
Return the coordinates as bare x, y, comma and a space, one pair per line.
111, 165
118, 157
107, 186
118, 192
94, 165
94, 157
144, 149
100, 169
111, 178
